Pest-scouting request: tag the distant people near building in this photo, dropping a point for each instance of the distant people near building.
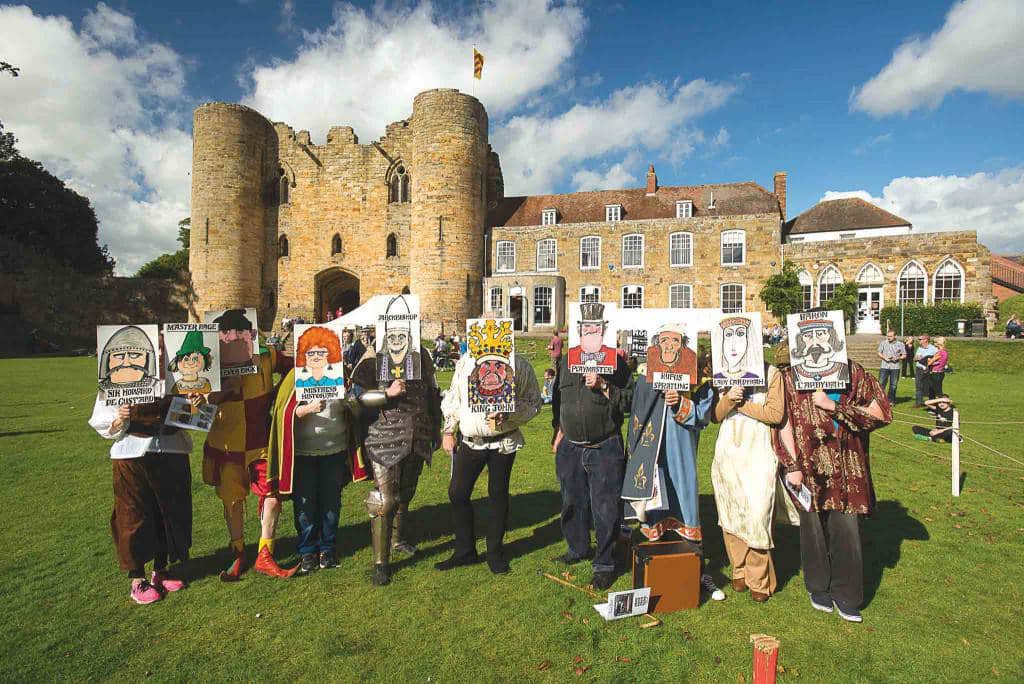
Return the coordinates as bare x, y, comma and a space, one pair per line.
1014, 328
942, 408
908, 359
937, 368
892, 352
339, 312
549, 386
352, 351
922, 361
555, 349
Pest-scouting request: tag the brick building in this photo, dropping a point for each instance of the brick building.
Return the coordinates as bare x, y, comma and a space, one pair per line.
299, 229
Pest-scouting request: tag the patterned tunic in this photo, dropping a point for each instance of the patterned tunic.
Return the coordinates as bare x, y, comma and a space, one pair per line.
832, 448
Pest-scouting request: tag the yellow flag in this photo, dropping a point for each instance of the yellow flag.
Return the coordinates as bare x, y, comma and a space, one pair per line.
478, 65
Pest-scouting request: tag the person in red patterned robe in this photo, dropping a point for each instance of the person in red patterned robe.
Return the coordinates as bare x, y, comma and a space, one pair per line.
823, 447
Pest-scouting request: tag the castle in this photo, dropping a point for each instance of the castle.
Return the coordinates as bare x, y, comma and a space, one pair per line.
297, 229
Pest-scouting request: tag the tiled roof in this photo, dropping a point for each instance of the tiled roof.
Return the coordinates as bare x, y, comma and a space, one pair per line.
849, 213
731, 199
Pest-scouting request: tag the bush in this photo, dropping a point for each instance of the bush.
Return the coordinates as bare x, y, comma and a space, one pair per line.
933, 319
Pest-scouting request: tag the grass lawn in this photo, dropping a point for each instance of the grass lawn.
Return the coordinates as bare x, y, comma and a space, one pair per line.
943, 575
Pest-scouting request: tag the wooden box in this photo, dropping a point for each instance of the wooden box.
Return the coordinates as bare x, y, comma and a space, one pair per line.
672, 570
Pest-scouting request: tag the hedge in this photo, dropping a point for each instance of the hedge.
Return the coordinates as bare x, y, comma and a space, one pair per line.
933, 319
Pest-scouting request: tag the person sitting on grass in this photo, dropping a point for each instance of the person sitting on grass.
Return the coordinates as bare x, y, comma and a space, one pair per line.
1014, 328
549, 386
942, 408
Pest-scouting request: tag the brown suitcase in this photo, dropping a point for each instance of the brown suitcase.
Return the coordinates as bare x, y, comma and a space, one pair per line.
672, 570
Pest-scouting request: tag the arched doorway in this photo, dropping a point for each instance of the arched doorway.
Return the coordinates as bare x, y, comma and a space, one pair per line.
335, 288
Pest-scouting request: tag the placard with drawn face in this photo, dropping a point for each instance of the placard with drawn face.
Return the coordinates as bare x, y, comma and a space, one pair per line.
492, 382
817, 350
239, 340
737, 355
319, 369
398, 340
129, 368
672, 356
592, 338
192, 355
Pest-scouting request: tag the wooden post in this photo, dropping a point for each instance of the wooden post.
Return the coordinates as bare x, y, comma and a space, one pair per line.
956, 452
766, 658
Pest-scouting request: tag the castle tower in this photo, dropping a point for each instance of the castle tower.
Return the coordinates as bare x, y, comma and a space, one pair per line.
449, 167
233, 150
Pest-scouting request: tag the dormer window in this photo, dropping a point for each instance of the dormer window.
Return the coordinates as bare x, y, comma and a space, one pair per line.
684, 209
613, 212
548, 217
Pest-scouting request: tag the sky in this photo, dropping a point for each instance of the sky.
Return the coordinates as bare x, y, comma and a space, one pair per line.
916, 106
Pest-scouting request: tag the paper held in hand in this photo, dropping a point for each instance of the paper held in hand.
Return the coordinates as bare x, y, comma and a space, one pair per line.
180, 415
623, 604
802, 496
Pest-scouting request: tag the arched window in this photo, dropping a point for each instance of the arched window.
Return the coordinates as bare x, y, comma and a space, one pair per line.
870, 275
547, 254
590, 293
633, 297
806, 289
680, 296
399, 185
282, 246
497, 300
731, 296
734, 247
828, 279
406, 188
392, 245
948, 282
335, 244
680, 249
283, 183
506, 253
633, 251
913, 284
590, 252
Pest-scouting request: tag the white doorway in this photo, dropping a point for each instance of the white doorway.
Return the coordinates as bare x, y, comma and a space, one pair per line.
869, 310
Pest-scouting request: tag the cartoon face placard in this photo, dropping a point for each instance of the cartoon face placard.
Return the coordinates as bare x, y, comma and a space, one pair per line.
817, 350
592, 338
129, 369
492, 382
672, 357
737, 356
192, 357
319, 370
398, 340
239, 340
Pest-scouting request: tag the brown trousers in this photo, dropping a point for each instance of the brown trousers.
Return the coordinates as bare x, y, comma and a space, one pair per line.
754, 566
152, 508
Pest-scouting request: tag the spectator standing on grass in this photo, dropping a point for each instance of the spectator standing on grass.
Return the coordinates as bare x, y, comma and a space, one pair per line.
908, 358
555, 349
937, 368
942, 408
922, 359
892, 352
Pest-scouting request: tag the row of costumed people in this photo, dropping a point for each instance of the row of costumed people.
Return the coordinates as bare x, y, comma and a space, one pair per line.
799, 427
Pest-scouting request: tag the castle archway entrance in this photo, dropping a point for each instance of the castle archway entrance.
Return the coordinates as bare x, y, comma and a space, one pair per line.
335, 288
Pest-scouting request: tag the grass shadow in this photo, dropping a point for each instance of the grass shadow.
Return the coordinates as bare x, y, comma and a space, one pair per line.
882, 537
18, 433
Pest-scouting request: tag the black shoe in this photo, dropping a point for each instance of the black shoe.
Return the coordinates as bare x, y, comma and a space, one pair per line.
381, 575
458, 561
602, 580
498, 564
568, 559
308, 563
405, 548
328, 560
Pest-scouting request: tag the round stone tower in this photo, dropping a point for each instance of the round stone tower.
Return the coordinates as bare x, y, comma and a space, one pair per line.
233, 150
449, 166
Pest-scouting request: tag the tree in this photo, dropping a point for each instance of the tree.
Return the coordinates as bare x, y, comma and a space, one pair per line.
9, 68
844, 299
170, 265
38, 211
781, 292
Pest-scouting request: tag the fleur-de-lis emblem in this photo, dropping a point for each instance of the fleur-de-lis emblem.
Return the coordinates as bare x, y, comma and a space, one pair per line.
648, 437
640, 478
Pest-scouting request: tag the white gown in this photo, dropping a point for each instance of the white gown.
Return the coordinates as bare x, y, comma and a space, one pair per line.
745, 477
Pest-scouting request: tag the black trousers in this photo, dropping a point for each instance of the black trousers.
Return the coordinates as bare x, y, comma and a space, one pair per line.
830, 555
467, 464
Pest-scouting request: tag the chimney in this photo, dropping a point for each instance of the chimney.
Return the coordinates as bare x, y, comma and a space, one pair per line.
780, 191
652, 180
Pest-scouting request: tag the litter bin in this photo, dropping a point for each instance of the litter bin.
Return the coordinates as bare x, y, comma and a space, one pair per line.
961, 327
979, 327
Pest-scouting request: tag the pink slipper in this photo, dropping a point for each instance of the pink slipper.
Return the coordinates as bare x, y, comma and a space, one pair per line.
164, 582
144, 593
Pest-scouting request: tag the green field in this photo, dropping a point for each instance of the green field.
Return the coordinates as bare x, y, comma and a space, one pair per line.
943, 575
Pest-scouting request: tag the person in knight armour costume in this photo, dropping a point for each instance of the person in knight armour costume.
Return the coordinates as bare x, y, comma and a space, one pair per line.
401, 431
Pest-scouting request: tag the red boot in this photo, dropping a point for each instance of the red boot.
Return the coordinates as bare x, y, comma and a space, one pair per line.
235, 570
266, 564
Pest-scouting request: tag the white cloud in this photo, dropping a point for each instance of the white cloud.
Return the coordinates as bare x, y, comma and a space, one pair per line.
990, 203
538, 150
612, 178
102, 109
980, 48
366, 67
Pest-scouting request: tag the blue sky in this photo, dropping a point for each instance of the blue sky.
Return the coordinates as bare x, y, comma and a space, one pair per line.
914, 105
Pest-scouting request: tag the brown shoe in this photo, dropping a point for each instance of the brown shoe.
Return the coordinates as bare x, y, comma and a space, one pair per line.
739, 585
266, 564
758, 596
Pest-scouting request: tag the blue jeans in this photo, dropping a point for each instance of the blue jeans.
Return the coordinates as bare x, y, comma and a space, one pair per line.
591, 484
892, 377
316, 499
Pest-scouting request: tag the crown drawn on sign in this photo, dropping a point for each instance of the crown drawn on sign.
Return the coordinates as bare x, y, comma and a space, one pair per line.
492, 338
